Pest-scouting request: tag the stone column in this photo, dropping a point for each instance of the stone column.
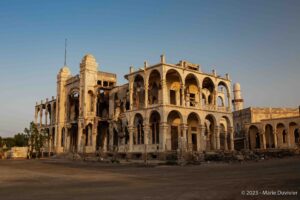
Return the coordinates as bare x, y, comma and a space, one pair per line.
46, 119
200, 99
215, 98
217, 136
35, 115
288, 137
229, 101
41, 115
146, 133
146, 93
225, 143
231, 139
185, 137
95, 131
111, 137
202, 138
131, 94
264, 146
199, 137
275, 138
79, 137
162, 134
130, 130
182, 87
164, 97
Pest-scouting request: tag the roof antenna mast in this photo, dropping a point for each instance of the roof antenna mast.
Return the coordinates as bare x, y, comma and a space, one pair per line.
65, 63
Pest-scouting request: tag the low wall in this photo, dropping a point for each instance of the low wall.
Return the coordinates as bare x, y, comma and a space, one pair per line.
18, 152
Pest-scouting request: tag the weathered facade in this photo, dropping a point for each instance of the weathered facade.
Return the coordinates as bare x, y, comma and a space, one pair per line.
163, 107
266, 128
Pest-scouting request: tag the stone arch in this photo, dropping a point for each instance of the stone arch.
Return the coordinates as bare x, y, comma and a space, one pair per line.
192, 93
174, 121
138, 91
224, 92
208, 88
154, 122
269, 136
73, 104
291, 134
174, 82
209, 125
281, 135
193, 122
138, 136
226, 136
154, 89
254, 137
88, 133
102, 103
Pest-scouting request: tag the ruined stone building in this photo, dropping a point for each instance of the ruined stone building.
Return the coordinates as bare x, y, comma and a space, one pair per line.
163, 107
265, 128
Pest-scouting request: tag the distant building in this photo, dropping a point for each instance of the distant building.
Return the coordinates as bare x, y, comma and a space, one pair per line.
265, 128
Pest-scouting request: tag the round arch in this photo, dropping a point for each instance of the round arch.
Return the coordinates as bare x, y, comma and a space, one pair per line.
154, 122
254, 137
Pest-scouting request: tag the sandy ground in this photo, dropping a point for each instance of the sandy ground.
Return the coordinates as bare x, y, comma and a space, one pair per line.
61, 179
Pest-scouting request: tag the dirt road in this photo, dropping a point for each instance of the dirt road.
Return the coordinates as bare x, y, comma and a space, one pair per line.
61, 179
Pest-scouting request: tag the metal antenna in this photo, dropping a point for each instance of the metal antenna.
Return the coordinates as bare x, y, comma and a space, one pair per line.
65, 64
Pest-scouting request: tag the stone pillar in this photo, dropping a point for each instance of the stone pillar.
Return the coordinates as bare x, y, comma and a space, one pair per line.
264, 146
79, 138
185, 137
200, 99
226, 143
131, 94
162, 134
288, 137
46, 115
146, 93
130, 130
199, 137
215, 98
217, 136
146, 133
182, 95
41, 115
111, 137
275, 138
35, 115
164, 97
229, 101
231, 139
202, 138
95, 129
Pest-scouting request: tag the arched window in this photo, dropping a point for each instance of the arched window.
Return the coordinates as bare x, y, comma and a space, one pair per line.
139, 129
220, 102
154, 125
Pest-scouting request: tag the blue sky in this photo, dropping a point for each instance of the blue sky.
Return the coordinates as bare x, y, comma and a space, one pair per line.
256, 42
